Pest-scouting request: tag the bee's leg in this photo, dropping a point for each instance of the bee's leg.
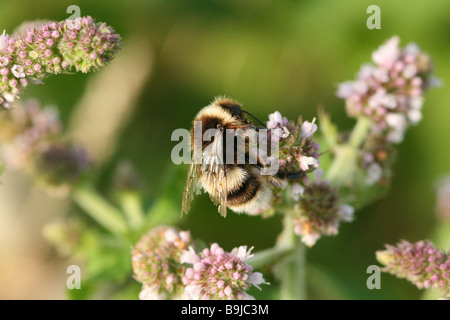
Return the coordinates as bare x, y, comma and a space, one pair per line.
290, 175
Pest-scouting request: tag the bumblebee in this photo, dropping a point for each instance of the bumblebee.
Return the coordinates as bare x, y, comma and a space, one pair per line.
238, 185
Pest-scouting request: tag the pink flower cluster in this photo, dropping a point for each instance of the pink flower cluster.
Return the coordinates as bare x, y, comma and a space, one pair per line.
62, 164
216, 274
420, 263
31, 143
319, 211
390, 92
53, 48
376, 158
297, 149
156, 263
26, 132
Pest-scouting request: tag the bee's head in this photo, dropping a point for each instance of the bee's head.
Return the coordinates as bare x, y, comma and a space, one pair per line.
231, 107
223, 113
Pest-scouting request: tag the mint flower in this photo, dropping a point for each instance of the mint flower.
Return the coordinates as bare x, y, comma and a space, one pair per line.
390, 92
420, 263
297, 149
26, 132
30, 142
53, 48
276, 120
216, 274
319, 211
60, 166
3, 40
156, 263
376, 158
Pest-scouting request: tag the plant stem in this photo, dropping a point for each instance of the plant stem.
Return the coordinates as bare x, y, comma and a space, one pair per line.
266, 257
291, 270
344, 164
341, 169
100, 210
359, 132
132, 208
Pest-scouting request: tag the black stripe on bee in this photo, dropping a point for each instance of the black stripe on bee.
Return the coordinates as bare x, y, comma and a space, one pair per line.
246, 192
232, 107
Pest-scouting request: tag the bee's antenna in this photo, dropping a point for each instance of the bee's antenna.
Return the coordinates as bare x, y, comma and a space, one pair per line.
264, 125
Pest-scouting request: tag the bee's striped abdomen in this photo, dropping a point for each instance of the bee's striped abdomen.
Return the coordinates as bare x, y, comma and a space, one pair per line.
247, 190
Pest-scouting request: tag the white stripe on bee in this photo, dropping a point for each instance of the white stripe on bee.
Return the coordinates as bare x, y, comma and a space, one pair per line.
214, 183
261, 200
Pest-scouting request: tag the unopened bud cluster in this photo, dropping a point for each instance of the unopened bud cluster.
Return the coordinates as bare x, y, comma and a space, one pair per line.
319, 211
53, 48
420, 263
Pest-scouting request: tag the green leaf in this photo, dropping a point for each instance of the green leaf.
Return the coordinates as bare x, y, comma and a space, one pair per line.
266, 257
291, 273
106, 258
131, 204
101, 210
328, 129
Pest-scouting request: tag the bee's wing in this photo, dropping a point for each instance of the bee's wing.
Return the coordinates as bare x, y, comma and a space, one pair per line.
214, 169
221, 181
191, 188
218, 183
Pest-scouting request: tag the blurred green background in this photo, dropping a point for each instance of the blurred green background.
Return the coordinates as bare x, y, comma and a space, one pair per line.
270, 55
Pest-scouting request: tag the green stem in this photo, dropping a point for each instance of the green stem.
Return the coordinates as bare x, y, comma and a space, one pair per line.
100, 210
342, 167
132, 207
359, 132
266, 257
291, 270
344, 164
